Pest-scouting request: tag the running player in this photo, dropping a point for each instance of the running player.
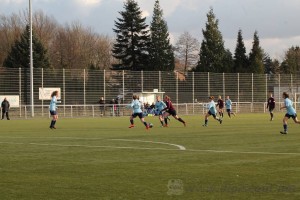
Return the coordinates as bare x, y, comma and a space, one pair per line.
220, 105
159, 106
290, 112
271, 106
170, 111
136, 106
52, 109
228, 105
211, 111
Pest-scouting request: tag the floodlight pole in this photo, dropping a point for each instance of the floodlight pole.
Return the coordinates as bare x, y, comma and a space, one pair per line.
31, 62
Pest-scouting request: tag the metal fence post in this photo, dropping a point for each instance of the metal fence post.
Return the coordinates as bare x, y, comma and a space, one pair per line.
104, 95
43, 90
64, 91
177, 90
224, 85
238, 97
252, 93
123, 74
193, 85
20, 91
142, 80
159, 82
279, 86
208, 84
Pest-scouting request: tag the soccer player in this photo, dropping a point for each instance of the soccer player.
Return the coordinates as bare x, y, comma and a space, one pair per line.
170, 111
271, 106
220, 105
53, 108
136, 106
211, 111
159, 106
290, 112
228, 105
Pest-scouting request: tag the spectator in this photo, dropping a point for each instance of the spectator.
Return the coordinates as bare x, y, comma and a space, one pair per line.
5, 108
102, 106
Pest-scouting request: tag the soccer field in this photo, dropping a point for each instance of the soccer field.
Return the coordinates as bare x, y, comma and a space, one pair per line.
101, 158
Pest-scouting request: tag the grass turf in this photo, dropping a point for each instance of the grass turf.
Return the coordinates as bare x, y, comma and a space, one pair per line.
101, 158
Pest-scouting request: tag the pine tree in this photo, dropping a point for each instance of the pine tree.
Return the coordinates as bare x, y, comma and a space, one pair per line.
161, 52
132, 42
291, 62
240, 57
20, 51
212, 51
256, 57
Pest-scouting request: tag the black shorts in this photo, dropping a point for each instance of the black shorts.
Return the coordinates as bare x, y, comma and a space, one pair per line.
172, 112
228, 110
291, 116
53, 112
214, 115
271, 110
140, 115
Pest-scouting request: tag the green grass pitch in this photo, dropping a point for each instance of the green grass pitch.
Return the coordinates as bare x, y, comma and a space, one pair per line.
101, 158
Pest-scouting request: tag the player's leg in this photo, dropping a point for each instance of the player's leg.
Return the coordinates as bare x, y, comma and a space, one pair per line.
228, 112
206, 119
271, 114
217, 118
166, 115
7, 116
131, 120
179, 119
143, 120
296, 120
161, 119
285, 124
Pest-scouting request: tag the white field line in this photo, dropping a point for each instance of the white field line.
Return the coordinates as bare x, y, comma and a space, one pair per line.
170, 144
87, 146
180, 148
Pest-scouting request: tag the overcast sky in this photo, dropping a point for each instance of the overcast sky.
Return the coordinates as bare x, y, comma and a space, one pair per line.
275, 20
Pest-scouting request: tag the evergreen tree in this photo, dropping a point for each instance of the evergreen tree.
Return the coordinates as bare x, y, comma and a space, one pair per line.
132, 42
240, 57
19, 55
291, 62
161, 52
256, 57
212, 51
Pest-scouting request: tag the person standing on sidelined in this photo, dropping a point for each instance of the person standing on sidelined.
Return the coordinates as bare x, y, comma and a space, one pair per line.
53, 109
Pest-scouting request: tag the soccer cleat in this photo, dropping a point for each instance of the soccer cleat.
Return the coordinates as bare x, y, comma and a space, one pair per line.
131, 126
166, 125
220, 120
204, 125
283, 132
147, 127
184, 124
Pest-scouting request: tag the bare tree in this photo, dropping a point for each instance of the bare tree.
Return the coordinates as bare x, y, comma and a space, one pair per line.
11, 28
187, 50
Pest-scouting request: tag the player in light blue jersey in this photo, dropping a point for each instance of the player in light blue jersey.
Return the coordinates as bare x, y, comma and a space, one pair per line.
136, 106
211, 111
228, 105
159, 106
52, 108
290, 112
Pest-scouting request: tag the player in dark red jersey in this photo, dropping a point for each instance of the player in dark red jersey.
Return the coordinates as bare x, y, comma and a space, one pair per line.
220, 106
169, 110
271, 106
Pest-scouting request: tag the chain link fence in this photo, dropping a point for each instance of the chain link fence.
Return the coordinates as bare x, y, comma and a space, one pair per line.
81, 90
